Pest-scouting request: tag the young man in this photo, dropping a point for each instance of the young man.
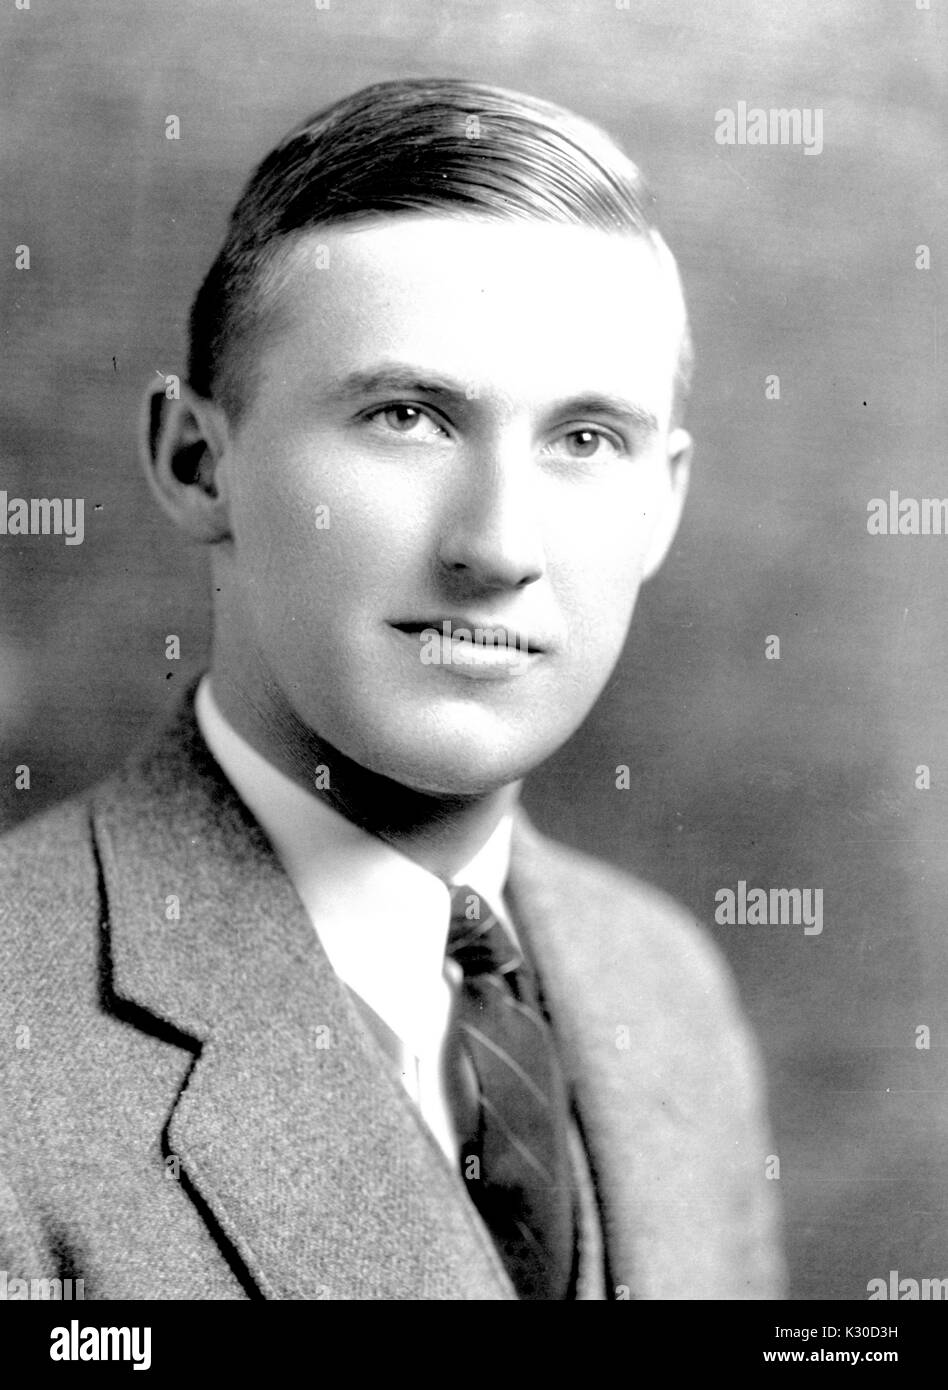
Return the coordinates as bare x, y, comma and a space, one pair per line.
311, 1010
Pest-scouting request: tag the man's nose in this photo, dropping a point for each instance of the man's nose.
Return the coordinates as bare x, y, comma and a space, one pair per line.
491, 534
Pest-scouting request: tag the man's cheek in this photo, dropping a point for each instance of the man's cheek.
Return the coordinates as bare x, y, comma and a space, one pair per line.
608, 564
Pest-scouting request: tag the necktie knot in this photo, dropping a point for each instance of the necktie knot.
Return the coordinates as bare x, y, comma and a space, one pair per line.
477, 939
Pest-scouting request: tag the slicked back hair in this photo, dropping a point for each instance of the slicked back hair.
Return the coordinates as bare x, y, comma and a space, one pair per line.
438, 146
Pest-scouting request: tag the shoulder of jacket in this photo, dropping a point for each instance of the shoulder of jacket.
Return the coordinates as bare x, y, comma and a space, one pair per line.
637, 928
47, 858
632, 955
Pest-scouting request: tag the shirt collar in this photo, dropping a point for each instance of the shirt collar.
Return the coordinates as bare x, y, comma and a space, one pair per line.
381, 918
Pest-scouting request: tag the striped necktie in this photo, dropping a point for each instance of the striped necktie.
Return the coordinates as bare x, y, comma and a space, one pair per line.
510, 1104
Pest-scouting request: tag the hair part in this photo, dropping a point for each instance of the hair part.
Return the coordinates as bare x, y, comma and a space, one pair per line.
437, 146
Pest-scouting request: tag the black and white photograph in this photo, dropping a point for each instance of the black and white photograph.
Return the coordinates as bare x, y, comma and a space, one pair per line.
473, 663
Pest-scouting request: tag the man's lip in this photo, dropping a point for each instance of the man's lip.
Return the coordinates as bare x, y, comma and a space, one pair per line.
414, 627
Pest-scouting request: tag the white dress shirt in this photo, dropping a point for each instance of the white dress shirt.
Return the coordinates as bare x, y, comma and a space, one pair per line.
381, 918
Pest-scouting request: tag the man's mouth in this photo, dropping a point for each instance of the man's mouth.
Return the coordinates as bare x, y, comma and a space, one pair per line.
478, 632
470, 648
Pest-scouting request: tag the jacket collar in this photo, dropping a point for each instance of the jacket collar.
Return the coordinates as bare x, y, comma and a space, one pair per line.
637, 1006
308, 1155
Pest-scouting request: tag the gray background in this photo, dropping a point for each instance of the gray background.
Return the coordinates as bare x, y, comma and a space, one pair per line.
792, 773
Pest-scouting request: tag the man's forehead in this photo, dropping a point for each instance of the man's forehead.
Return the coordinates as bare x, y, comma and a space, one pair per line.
535, 305
475, 256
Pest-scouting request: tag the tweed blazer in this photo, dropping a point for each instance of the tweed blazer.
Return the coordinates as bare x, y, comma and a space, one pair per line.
192, 1108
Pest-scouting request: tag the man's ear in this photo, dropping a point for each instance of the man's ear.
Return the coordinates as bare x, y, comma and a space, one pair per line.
666, 524
182, 442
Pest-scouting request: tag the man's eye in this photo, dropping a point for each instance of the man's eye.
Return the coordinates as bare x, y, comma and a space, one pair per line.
407, 419
585, 444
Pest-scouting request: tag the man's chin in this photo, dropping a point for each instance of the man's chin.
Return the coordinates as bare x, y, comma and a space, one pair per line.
459, 767
431, 776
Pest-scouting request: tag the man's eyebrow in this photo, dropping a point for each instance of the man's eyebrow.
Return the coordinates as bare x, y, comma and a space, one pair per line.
594, 403
393, 381
414, 381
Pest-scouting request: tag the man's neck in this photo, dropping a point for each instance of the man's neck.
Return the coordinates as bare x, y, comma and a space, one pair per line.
441, 833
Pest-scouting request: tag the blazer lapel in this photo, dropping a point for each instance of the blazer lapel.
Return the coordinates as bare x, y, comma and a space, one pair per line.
308, 1154
664, 1075
637, 1137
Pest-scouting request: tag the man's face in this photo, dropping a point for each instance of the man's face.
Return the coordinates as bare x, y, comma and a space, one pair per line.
459, 424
